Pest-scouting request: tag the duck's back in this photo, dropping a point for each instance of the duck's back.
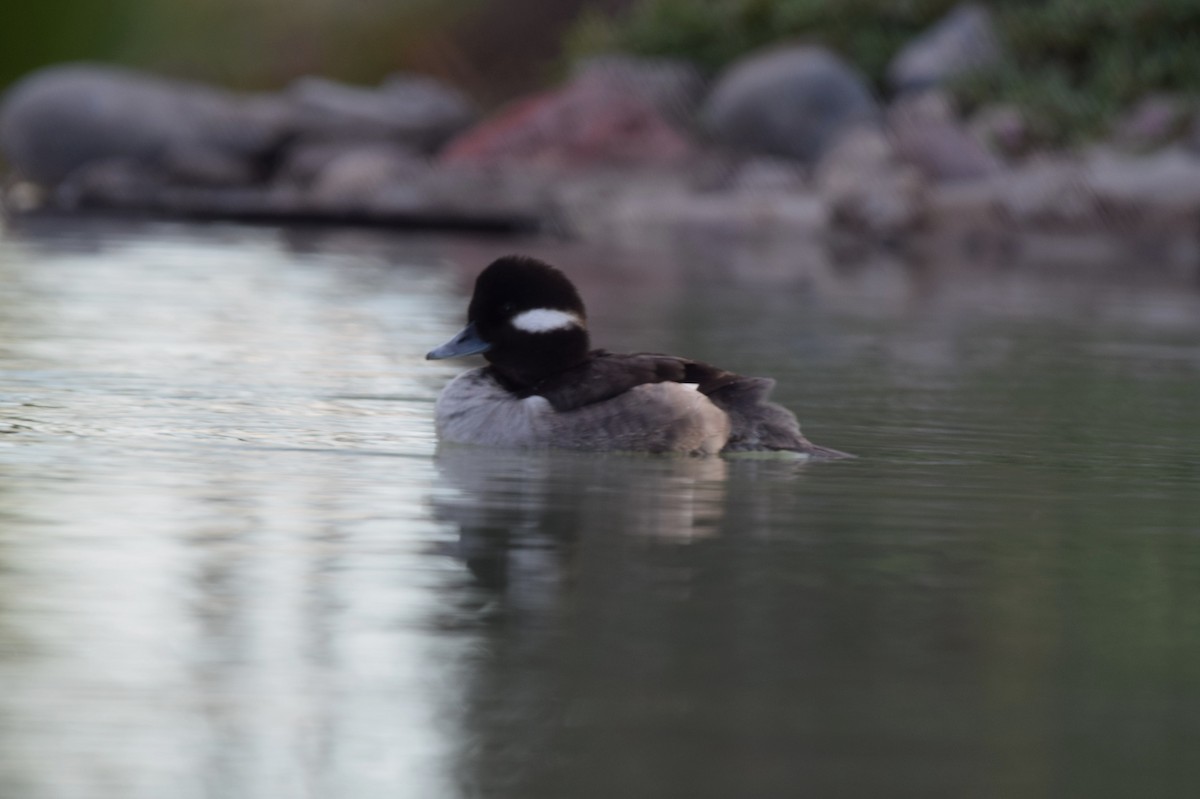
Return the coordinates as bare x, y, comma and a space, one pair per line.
756, 424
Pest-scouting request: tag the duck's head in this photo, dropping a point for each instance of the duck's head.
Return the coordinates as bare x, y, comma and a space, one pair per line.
525, 318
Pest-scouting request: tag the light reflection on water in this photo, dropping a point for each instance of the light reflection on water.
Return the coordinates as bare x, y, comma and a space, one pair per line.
216, 524
234, 562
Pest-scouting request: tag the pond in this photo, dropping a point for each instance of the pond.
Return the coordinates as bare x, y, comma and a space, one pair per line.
234, 563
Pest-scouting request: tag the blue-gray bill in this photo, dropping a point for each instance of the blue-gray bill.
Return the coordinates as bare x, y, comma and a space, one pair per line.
467, 342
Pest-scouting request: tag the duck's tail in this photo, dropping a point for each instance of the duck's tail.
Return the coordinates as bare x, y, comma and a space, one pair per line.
827, 454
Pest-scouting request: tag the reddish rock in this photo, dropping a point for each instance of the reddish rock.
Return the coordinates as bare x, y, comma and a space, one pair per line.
589, 122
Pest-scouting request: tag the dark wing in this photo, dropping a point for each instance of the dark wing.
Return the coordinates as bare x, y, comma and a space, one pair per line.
756, 423
605, 375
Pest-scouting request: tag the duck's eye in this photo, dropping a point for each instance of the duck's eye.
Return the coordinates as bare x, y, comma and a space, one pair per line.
508, 307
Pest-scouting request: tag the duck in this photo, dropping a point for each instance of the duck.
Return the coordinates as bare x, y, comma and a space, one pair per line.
544, 387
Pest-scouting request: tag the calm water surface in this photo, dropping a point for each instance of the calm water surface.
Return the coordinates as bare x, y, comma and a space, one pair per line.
234, 563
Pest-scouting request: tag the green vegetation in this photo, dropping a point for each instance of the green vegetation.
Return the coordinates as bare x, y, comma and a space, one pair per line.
238, 43
34, 34
1079, 62
714, 32
1074, 63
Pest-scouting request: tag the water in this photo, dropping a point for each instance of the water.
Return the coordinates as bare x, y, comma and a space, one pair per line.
235, 565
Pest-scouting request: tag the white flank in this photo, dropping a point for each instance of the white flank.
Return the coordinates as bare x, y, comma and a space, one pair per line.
543, 320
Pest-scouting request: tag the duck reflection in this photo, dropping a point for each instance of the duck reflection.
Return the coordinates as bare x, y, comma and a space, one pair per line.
521, 515
622, 594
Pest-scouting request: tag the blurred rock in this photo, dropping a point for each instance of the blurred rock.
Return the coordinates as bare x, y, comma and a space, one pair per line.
668, 209
932, 106
673, 87
794, 102
413, 110
1146, 191
592, 121
201, 165
1152, 122
1050, 193
927, 134
58, 119
22, 197
868, 188
355, 176
468, 192
1104, 190
966, 206
769, 176
1003, 129
109, 138
963, 41
361, 188
119, 181
303, 160
1047, 192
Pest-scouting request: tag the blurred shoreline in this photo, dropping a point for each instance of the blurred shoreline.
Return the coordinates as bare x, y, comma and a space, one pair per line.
789, 141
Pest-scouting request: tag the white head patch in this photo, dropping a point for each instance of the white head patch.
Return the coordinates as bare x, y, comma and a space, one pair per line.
543, 320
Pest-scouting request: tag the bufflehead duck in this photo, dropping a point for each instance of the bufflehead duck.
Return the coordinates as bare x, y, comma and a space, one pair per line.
544, 387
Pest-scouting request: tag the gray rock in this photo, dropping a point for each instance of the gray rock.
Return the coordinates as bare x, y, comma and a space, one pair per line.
643, 216
794, 102
110, 181
1103, 189
58, 119
769, 176
970, 206
927, 134
133, 185
868, 188
963, 41
1161, 187
418, 111
470, 192
1046, 193
673, 87
365, 186
305, 162
203, 165
355, 176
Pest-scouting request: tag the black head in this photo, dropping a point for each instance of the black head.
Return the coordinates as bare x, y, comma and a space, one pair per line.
526, 318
